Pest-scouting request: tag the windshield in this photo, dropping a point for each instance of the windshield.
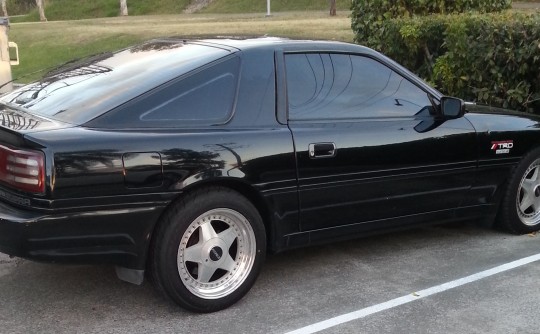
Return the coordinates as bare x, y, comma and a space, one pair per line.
79, 92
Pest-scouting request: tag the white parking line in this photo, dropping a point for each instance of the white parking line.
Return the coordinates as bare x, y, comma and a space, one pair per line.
319, 326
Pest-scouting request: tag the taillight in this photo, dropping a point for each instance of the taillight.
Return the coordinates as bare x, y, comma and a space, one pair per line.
23, 169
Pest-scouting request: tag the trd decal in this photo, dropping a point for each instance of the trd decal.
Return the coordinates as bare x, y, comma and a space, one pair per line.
502, 147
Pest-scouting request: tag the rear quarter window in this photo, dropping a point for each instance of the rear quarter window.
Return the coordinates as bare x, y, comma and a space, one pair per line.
203, 97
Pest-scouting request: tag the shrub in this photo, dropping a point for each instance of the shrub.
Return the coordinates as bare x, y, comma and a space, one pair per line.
488, 58
493, 59
368, 16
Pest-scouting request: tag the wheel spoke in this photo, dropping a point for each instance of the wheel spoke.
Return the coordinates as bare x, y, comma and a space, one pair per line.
228, 236
528, 186
206, 232
228, 263
204, 273
193, 253
526, 202
534, 204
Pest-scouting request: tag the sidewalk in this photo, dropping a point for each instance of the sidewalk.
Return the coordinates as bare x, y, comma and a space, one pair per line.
526, 5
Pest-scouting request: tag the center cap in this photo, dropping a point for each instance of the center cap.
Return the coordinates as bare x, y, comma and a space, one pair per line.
216, 253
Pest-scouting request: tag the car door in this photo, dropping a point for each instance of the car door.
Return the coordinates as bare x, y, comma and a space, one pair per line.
370, 147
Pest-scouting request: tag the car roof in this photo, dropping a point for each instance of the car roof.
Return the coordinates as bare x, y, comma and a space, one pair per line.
244, 43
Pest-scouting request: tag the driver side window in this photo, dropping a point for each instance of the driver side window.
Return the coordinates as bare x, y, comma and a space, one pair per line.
340, 86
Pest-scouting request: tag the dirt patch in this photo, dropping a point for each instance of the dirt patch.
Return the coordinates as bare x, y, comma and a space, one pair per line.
8, 263
196, 5
5, 259
526, 5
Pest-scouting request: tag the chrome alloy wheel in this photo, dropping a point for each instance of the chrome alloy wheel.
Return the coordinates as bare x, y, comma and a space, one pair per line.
216, 253
528, 199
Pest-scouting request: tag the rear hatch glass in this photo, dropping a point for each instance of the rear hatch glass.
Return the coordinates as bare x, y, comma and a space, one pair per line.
84, 90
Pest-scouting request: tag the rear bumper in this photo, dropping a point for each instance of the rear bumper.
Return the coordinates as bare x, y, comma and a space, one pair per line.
113, 236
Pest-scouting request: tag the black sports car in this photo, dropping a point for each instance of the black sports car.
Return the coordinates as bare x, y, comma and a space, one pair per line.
190, 159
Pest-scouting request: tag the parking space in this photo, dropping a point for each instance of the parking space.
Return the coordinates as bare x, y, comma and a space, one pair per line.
506, 303
300, 288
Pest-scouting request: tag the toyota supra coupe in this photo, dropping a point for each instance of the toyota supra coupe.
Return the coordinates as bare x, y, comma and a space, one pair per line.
188, 160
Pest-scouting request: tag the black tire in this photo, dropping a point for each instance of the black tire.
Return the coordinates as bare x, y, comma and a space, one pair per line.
520, 207
208, 250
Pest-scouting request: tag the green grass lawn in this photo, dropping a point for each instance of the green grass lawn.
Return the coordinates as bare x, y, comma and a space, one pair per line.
48, 44
251, 6
85, 9
57, 10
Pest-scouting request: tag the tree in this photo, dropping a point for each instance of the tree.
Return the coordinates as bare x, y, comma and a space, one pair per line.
123, 8
332, 7
4, 8
41, 9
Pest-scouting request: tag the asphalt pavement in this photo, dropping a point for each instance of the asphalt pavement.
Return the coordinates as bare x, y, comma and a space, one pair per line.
302, 288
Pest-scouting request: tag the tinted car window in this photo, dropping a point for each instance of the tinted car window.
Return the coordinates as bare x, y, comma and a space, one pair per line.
205, 97
84, 90
339, 86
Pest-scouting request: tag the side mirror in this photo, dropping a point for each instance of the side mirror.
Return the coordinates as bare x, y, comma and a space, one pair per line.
452, 107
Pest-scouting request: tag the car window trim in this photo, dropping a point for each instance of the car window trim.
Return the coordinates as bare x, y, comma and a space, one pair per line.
282, 97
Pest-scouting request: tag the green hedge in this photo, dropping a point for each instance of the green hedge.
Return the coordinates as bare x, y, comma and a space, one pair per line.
488, 58
493, 59
368, 16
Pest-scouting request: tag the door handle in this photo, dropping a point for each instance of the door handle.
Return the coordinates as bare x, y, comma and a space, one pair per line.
322, 150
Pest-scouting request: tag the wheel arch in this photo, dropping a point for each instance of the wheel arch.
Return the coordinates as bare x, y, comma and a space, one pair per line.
246, 190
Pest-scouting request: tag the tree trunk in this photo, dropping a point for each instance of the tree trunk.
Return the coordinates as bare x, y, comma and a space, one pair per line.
4, 8
123, 8
41, 8
332, 7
